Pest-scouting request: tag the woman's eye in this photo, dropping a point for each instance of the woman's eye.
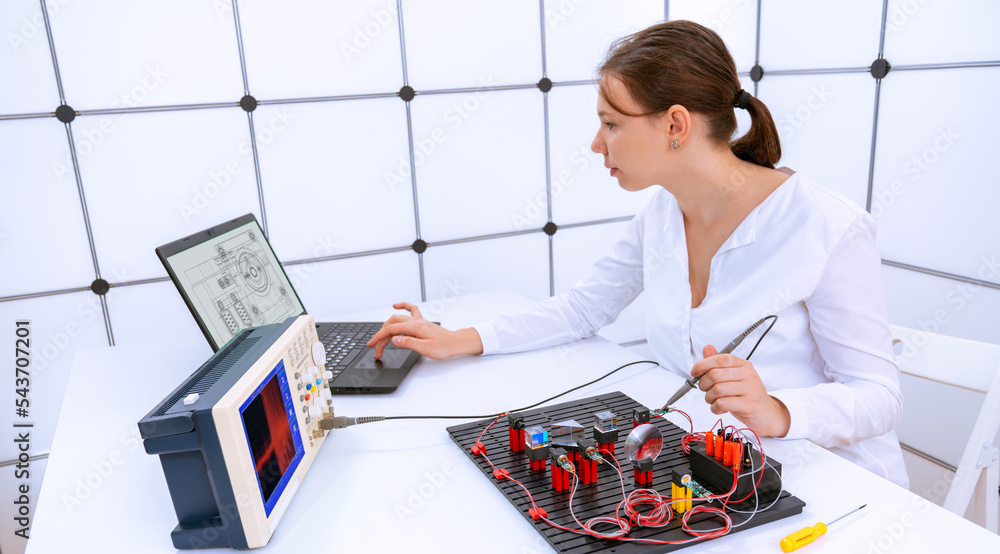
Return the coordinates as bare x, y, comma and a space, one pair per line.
609, 124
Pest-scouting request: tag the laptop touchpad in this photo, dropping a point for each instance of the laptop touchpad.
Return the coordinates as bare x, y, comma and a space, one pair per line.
392, 358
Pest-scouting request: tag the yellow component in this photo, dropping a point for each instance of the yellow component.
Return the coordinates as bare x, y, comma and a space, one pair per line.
675, 493
687, 494
802, 537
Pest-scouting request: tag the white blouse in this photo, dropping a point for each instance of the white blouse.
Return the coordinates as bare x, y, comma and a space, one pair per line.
805, 254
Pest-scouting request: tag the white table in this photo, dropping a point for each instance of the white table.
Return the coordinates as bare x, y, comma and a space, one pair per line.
404, 485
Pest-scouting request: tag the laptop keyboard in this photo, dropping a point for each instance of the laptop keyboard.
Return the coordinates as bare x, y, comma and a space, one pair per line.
345, 342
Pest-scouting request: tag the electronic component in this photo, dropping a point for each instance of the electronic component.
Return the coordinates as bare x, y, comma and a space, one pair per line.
696, 489
559, 462
566, 433
586, 462
603, 496
234, 457
712, 472
639, 417
806, 535
515, 431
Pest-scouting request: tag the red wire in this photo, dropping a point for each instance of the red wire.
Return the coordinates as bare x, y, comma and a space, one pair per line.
661, 512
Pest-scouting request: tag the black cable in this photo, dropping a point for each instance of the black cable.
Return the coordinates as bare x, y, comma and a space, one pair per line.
536, 404
774, 319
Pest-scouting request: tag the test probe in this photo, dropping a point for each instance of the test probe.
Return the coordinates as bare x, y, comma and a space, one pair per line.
691, 382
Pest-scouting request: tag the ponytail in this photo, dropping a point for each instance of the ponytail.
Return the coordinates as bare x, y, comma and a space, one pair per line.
682, 62
760, 145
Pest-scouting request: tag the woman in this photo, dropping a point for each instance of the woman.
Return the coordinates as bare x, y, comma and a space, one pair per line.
726, 240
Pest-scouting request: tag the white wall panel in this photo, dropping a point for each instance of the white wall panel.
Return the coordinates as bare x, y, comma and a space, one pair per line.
811, 35
963, 31
153, 311
356, 284
467, 268
479, 157
151, 178
825, 126
25, 58
336, 177
582, 188
578, 34
456, 43
574, 252
734, 20
944, 306
117, 53
49, 250
935, 192
303, 49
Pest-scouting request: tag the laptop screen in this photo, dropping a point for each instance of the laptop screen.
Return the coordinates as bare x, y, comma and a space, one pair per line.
230, 279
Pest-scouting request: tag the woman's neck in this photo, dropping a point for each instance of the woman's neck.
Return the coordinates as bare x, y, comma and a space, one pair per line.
720, 188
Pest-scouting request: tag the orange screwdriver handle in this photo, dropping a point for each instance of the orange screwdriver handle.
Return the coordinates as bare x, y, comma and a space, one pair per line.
802, 537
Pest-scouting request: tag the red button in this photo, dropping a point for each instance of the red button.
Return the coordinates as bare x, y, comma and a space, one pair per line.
307, 397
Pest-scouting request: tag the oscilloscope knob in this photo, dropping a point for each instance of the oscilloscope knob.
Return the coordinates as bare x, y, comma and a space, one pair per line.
319, 353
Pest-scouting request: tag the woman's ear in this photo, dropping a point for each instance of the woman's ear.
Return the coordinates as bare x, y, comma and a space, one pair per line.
676, 123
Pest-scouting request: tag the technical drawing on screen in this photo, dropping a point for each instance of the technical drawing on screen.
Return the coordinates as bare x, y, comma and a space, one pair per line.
234, 282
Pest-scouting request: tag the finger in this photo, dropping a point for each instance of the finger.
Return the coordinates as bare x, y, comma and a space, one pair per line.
719, 391
708, 351
717, 375
703, 366
414, 311
379, 347
384, 332
421, 346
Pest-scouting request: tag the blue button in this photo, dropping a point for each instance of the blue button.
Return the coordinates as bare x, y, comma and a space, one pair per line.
319, 381
309, 386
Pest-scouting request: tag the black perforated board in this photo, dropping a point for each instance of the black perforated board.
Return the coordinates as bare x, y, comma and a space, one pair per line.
600, 498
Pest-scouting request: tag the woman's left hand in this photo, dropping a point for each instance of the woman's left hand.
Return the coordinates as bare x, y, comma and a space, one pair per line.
732, 385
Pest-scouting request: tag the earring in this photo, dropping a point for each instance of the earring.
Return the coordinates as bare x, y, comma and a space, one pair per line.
675, 145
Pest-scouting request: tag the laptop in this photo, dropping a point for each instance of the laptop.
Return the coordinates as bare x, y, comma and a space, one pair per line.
230, 279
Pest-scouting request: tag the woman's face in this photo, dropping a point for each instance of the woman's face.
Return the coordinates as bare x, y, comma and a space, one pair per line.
633, 147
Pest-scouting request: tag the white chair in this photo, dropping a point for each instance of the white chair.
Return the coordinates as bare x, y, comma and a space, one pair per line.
963, 365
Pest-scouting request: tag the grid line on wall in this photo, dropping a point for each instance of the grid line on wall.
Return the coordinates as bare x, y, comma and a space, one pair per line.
460, 90
239, 47
52, 51
74, 159
375, 95
878, 91
250, 110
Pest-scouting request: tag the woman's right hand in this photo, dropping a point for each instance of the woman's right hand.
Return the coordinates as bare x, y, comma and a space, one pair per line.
429, 339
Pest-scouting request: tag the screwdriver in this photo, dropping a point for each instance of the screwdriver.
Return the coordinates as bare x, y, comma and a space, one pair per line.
806, 535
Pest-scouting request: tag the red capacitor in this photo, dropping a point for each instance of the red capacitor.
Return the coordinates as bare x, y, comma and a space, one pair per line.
727, 453
709, 443
737, 454
718, 446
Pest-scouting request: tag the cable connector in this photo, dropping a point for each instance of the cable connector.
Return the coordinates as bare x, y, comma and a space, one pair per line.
537, 513
500, 474
340, 422
479, 449
593, 454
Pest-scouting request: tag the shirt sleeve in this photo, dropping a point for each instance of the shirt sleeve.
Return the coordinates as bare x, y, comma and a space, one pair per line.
848, 321
613, 283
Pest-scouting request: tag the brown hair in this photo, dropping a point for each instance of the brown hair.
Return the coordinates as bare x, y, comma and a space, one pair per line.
682, 62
